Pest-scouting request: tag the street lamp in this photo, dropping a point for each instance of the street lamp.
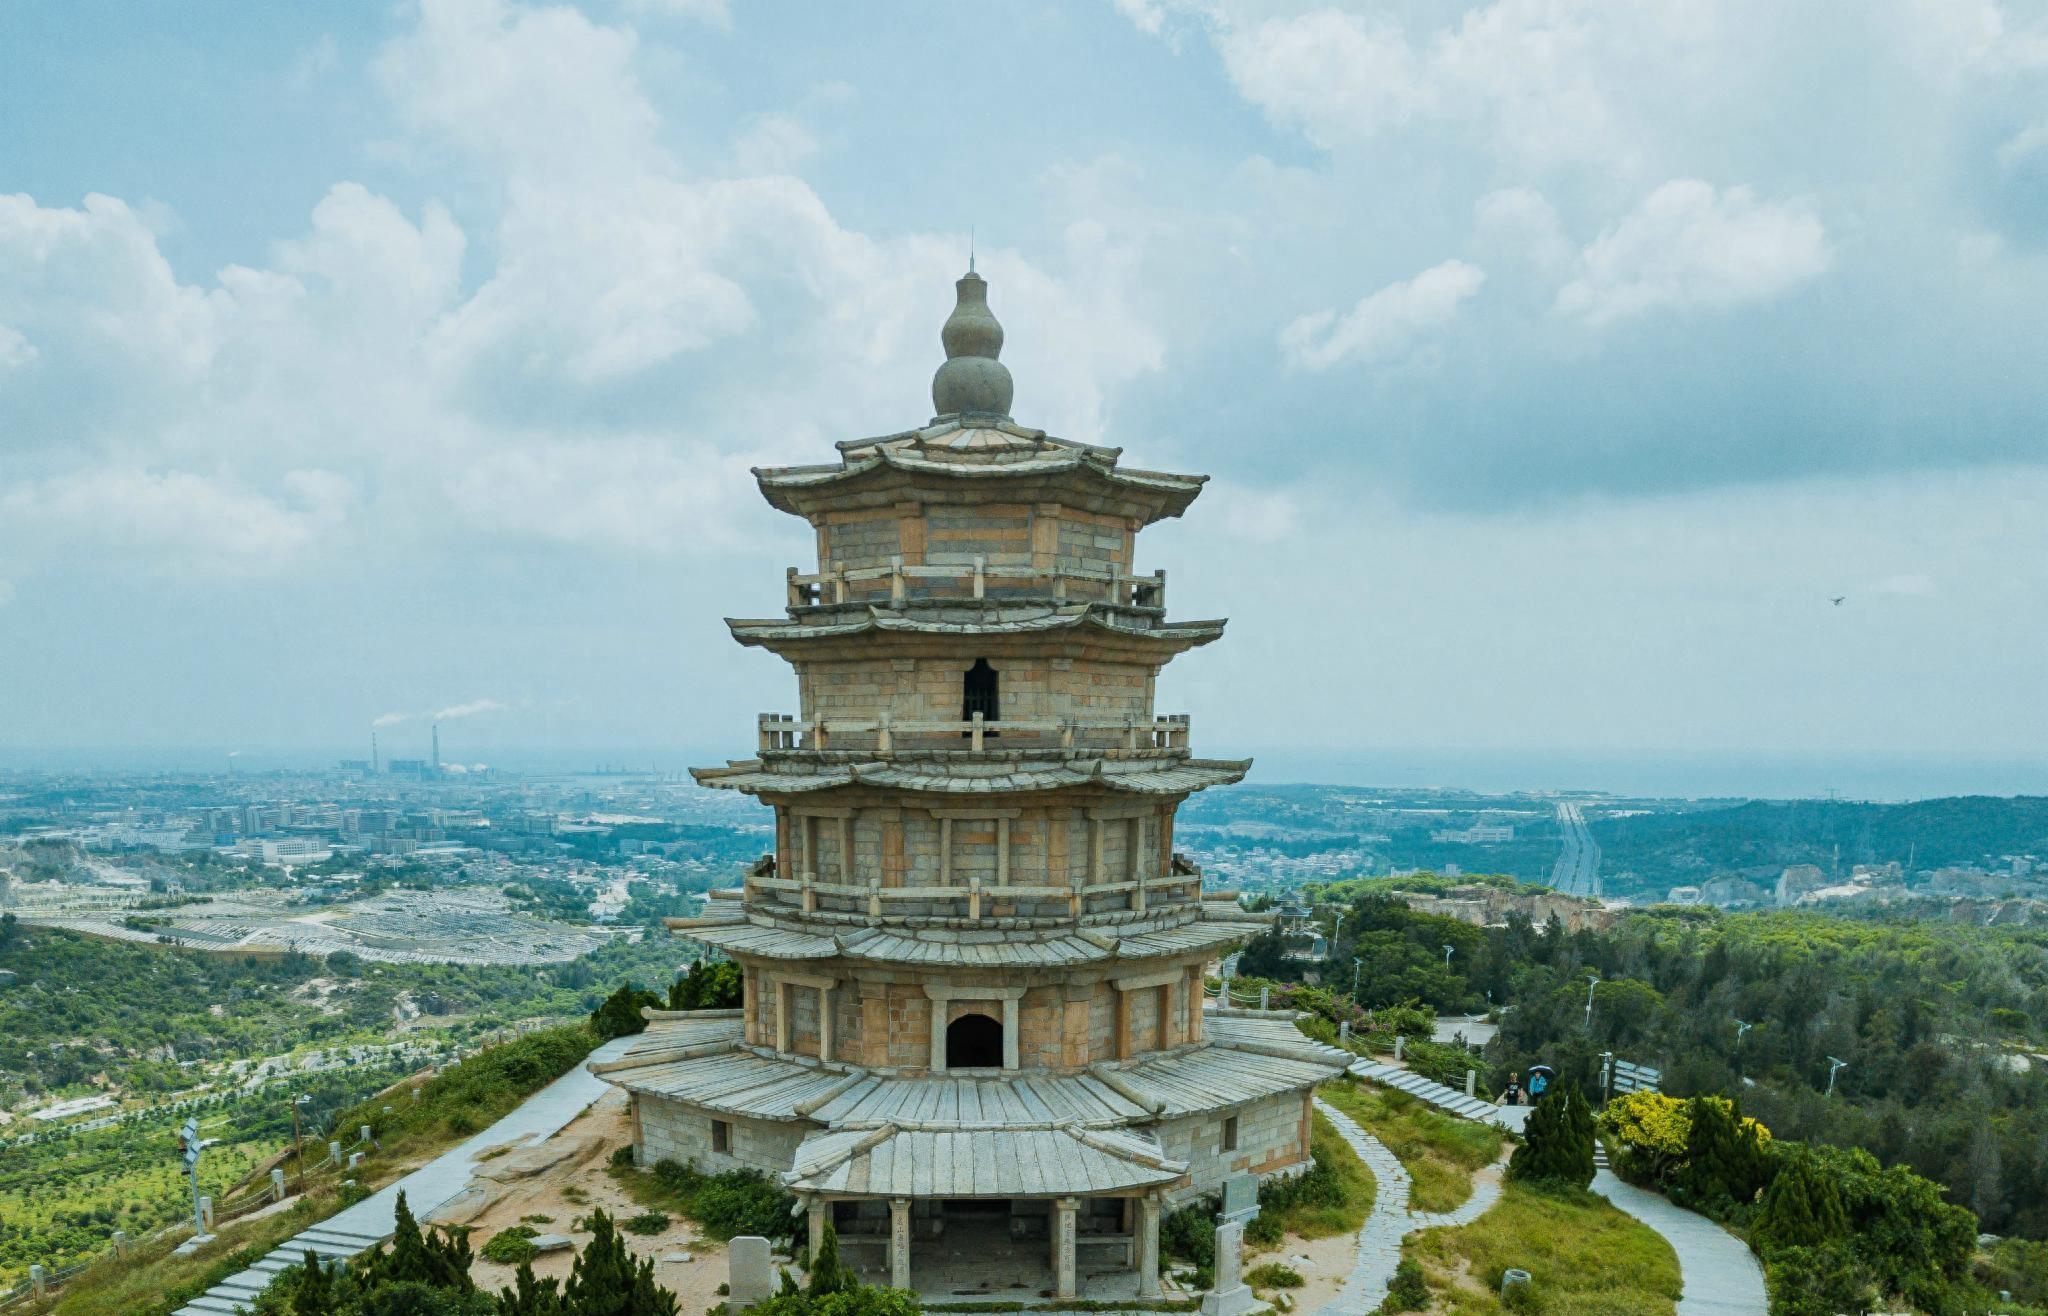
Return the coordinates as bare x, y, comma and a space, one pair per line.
1606, 1077
1447, 957
1356, 964
1592, 981
298, 1148
1834, 1067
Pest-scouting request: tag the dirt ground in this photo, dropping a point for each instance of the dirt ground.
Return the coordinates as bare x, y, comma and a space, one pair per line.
1323, 1263
564, 1178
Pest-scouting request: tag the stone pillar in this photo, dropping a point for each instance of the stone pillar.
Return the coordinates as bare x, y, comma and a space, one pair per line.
1010, 1040
1471, 1082
1400, 1043
121, 1243
899, 1242
277, 1185
1148, 1247
334, 1153
782, 1018
939, 1008
1064, 1210
38, 1282
819, 1211
1230, 1296
825, 1025
206, 1214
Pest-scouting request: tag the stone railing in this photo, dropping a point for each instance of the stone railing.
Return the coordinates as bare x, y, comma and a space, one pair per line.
972, 897
900, 582
884, 736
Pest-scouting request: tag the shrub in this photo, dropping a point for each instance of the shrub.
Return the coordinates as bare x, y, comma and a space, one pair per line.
1648, 1131
1189, 1234
1273, 1275
1816, 1281
1406, 1291
510, 1246
729, 1204
647, 1222
1801, 1209
622, 1154
708, 986
1727, 1158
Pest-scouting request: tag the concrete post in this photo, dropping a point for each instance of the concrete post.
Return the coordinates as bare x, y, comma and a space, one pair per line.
1148, 1247
1064, 1211
38, 1282
1400, 1041
899, 1242
819, 1211
1265, 998
334, 1153
366, 1134
277, 1185
206, 1215
1471, 1082
121, 1243
1344, 1033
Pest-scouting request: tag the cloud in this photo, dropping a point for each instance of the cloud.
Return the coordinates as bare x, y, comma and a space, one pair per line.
470, 709
176, 522
1689, 247
1385, 324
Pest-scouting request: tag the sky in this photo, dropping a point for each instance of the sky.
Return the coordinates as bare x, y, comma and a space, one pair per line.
1558, 363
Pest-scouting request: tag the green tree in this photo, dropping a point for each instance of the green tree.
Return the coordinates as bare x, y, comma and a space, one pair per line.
1725, 1160
529, 1296
1801, 1209
827, 1275
608, 1281
1817, 1281
708, 986
619, 1015
1557, 1146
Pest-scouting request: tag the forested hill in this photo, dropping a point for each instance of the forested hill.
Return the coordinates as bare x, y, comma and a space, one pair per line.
1673, 848
82, 1013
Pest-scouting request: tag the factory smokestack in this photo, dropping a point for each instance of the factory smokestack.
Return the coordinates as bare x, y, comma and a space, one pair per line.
437, 749
373, 752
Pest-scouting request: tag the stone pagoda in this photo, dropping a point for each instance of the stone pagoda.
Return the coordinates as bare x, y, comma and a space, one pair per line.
974, 1036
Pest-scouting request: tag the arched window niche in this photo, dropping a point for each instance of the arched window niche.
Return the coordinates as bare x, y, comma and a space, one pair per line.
981, 692
974, 1041
995, 1006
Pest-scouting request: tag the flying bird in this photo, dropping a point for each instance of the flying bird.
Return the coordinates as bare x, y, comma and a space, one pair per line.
1840, 599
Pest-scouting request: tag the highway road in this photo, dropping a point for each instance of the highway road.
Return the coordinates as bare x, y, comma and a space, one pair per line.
1578, 868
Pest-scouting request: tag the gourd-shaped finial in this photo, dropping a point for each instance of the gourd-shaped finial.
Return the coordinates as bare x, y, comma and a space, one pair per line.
972, 382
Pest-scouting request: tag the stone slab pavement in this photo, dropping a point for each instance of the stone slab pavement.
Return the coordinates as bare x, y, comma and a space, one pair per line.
427, 1189
1392, 1219
1718, 1270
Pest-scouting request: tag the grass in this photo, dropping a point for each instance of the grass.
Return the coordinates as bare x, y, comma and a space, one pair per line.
1343, 1204
1439, 1151
152, 1281
1584, 1257
452, 1105
723, 1206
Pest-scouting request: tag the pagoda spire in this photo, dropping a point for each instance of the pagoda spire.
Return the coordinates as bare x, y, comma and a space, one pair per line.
972, 382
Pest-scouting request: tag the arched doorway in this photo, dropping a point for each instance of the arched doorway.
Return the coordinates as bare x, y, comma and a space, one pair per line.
974, 1041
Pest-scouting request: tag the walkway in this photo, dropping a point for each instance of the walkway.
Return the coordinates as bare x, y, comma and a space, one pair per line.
1718, 1271
369, 1222
1379, 1241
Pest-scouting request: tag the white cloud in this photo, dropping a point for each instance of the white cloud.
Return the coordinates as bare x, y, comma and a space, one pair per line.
1689, 247
1384, 324
15, 348
718, 13
176, 520
773, 144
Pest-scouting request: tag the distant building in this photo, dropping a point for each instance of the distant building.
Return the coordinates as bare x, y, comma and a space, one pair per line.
285, 849
1476, 834
1798, 881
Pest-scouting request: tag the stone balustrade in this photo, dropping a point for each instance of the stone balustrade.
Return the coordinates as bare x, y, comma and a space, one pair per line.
884, 736
901, 582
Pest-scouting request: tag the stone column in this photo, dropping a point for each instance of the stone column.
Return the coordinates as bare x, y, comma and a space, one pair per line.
1064, 1210
825, 1025
1230, 1296
782, 1017
1010, 1041
819, 1211
1148, 1247
899, 1242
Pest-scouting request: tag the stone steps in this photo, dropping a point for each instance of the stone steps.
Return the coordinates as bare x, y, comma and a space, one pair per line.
239, 1292
1427, 1091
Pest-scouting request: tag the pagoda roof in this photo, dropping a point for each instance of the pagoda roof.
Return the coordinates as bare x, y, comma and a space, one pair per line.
785, 940
1030, 464
789, 775
705, 1062
965, 1162
878, 626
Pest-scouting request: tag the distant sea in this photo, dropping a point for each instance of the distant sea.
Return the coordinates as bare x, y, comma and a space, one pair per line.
1645, 773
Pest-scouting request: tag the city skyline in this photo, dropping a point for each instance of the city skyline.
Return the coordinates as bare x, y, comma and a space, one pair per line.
416, 362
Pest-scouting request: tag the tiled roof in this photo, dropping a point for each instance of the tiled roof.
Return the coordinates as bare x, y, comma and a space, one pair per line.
1051, 1162
1137, 777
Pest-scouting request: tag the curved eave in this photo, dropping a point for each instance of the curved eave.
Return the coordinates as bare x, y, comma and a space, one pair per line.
753, 777
904, 946
881, 632
1066, 475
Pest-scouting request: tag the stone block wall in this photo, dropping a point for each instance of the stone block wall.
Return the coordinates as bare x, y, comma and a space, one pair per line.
1272, 1138
930, 690
669, 1130
1044, 535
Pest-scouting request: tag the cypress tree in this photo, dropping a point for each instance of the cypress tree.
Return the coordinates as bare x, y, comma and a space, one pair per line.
827, 1276
1557, 1142
529, 1296
315, 1293
1801, 1208
606, 1281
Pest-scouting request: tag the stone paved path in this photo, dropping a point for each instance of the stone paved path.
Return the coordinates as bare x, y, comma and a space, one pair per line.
370, 1221
1379, 1241
1719, 1272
